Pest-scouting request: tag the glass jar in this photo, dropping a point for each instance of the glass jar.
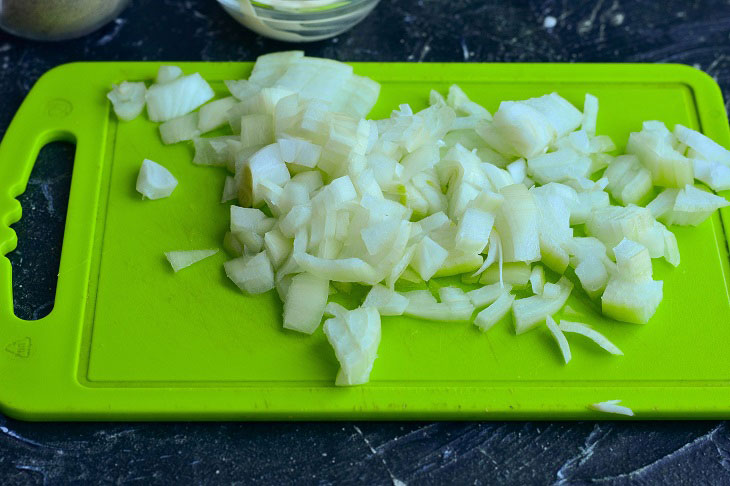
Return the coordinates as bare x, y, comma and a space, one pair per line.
49, 20
299, 20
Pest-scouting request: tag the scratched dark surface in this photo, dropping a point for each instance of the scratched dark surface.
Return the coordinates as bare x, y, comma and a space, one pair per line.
695, 33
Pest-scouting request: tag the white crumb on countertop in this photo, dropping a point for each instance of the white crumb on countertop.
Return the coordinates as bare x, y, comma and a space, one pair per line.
549, 22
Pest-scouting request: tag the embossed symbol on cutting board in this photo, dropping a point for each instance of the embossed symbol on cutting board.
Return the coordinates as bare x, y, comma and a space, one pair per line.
59, 108
20, 348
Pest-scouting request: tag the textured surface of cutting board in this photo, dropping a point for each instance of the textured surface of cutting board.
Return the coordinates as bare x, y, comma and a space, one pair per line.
128, 339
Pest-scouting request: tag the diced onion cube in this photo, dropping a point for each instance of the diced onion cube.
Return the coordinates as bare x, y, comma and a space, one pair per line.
496, 311
128, 99
177, 98
183, 259
154, 181
252, 274
305, 303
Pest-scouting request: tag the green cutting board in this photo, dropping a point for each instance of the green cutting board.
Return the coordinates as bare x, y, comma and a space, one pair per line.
128, 339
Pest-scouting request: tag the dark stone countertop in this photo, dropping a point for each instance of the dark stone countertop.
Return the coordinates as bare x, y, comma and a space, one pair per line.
694, 33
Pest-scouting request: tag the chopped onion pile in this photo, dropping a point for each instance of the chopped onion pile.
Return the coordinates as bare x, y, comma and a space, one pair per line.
327, 198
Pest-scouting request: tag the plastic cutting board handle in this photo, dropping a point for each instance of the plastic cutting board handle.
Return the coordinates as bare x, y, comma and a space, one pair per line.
54, 110
24, 139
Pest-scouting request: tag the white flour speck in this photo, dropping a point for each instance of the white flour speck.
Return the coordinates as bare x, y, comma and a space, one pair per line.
618, 19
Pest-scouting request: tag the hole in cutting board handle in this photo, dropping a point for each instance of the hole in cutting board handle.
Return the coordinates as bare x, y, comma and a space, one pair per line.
35, 261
